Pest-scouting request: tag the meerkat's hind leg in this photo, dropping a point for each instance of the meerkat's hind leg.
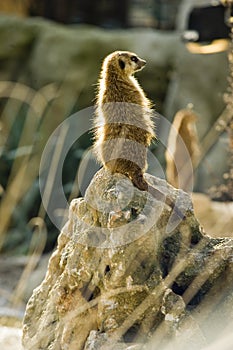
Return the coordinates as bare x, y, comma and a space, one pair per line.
139, 182
118, 165
136, 175
129, 169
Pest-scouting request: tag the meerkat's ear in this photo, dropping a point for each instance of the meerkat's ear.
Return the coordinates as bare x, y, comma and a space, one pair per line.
121, 64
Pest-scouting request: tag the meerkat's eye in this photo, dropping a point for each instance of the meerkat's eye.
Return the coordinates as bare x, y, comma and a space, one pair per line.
134, 59
121, 64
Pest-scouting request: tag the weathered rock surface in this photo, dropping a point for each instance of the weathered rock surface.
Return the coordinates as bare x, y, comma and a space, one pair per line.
127, 274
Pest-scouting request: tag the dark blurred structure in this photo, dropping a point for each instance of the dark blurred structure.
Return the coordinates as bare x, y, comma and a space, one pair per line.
206, 24
165, 12
208, 29
160, 14
103, 13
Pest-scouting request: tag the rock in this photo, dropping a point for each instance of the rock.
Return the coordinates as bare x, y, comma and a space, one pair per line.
98, 339
15, 37
127, 272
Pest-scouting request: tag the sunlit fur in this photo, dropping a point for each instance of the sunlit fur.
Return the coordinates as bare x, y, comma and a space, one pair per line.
123, 124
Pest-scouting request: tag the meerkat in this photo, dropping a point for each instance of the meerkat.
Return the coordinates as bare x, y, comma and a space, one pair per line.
124, 128
123, 123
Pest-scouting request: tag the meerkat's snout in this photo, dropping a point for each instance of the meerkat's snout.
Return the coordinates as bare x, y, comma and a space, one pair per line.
141, 63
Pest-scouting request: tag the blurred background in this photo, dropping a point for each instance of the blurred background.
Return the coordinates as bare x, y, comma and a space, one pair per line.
50, 57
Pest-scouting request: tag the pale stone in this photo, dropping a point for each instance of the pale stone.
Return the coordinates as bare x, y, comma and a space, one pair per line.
128, 278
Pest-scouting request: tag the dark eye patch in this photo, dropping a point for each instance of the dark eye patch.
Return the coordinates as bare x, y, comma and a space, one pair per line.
121, 64
134, 59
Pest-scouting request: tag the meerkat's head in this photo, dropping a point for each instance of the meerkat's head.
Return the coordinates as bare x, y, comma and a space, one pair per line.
127, 63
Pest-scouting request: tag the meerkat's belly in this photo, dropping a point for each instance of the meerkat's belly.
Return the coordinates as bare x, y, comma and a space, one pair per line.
122, 143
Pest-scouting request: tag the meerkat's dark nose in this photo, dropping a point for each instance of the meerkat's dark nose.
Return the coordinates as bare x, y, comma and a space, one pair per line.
142, 63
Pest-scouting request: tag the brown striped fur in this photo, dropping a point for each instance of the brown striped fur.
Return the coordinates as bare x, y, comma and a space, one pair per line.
123, 124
